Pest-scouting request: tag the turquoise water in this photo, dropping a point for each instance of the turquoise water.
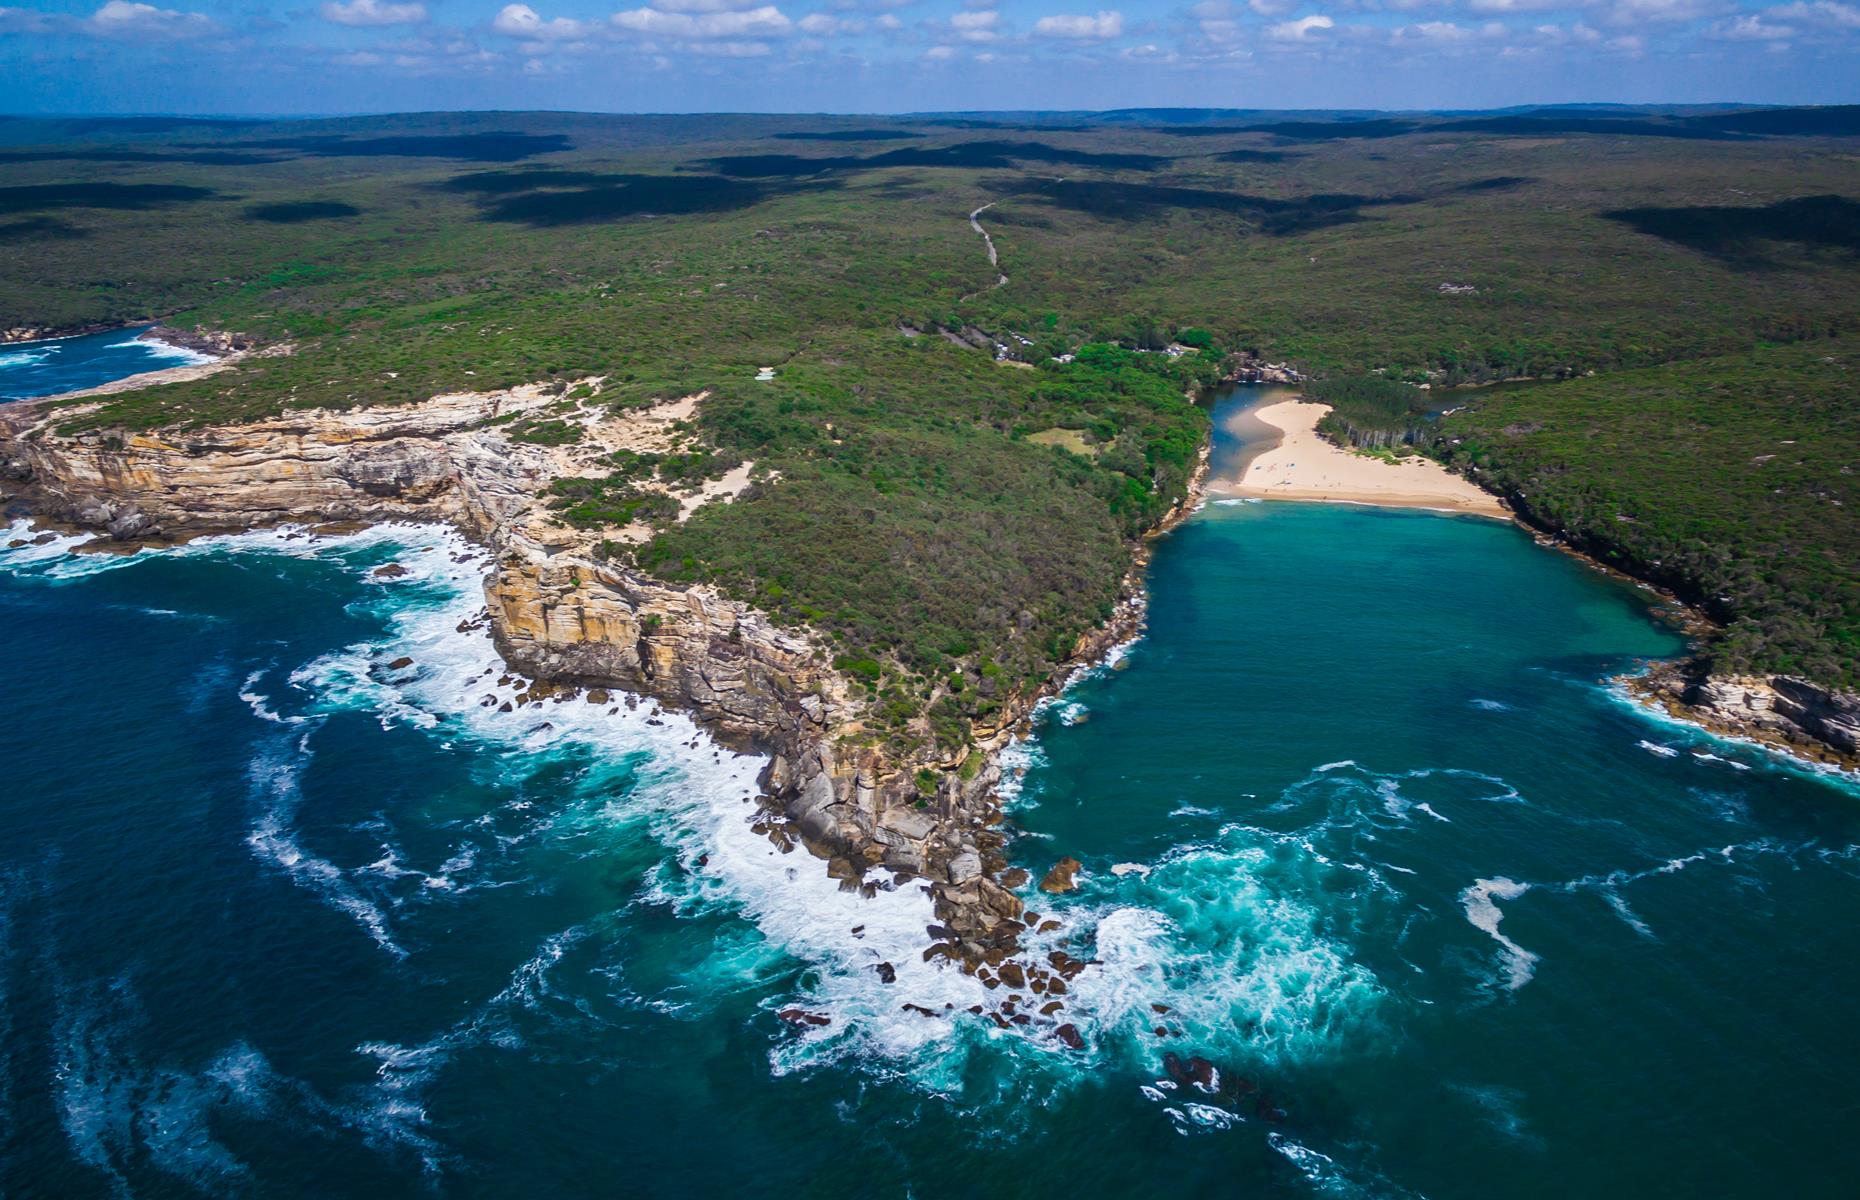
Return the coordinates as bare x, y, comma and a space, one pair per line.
56, 365
279, 916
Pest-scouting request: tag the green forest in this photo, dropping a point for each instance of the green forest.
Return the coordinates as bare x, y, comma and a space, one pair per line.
949, 471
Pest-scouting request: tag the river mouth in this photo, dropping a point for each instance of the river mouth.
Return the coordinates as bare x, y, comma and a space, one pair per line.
1239, 435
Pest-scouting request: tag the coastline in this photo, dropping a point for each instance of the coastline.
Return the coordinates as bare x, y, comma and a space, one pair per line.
1305, 466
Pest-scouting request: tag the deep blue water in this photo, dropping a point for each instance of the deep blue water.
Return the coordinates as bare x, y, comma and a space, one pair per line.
67, 364
278, 917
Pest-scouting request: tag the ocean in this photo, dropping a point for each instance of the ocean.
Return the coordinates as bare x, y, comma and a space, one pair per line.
55, 365
289, 907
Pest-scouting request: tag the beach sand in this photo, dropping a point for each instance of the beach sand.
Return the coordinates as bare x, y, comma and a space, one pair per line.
1303, 466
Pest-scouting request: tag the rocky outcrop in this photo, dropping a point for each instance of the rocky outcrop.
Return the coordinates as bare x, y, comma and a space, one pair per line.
434, 461
562, 611
1247, 367
1804, 718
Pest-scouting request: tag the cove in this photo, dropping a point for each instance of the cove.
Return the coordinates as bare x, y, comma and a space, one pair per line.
287, 908
57, 365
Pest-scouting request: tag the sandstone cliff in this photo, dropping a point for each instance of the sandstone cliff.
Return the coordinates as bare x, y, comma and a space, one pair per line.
560, 609
1804, 718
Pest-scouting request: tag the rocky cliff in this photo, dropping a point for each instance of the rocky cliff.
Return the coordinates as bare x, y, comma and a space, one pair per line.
1804, 718
560, 608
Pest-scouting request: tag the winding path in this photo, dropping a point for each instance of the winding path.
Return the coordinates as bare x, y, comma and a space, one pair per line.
994, 259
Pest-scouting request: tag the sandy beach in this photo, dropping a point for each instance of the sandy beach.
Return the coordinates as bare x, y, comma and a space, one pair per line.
1303, 466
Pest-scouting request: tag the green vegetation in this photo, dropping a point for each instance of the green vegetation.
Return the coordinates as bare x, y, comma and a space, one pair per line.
1372, 413
595, 503
1730, 481
933, 489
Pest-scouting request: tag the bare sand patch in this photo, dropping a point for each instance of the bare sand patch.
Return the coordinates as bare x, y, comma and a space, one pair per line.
1303, 466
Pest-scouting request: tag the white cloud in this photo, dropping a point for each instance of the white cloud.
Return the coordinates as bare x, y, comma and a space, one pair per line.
887, 21
1578, 34
1299, 30
1821, 12
119, 18
373, 12
704, 6
976, 26
1750, 28
522, 21
1661, 12
1439, 32
939, 53
827, 25
1107, 24
1523, 6
766, 21
726, 49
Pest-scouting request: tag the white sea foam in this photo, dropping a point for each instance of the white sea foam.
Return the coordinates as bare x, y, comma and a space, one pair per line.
119, 1112
690, 792
1655, 748
1481, 904
273, 777
1246, 970
26, 358
1490, 705
166, 352
1772, 757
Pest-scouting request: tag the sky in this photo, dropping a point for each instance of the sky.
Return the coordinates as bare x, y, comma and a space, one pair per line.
879, 56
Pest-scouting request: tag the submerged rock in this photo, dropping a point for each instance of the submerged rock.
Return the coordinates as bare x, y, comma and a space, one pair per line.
1069, 1034
800, 1018
1062, 878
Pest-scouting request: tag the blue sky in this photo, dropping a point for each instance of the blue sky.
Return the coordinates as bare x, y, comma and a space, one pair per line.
325, 56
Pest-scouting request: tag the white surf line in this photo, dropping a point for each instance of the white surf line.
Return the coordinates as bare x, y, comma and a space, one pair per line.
994, 259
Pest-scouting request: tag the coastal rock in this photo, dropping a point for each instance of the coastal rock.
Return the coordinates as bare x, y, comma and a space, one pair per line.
566, 614
1062, 878
800, 1018
1779, 710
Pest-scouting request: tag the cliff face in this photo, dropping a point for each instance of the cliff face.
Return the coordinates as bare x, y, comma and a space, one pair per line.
1804, 718
558, 609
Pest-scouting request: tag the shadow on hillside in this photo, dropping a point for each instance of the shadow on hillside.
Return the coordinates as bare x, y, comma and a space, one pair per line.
306, 210
1839, 120
470, 147
1496, 183
39, 227
970, 155
1257, 156
1329, 131
200, 158
155, 124
549, 198
1821, 222
46, 196
1138, 201
1605, 126
849, 135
